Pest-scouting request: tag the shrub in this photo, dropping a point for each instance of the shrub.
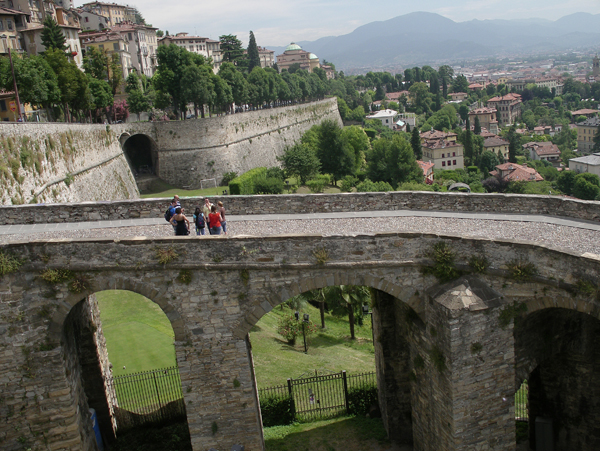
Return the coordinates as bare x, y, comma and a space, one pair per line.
268, 185
360, 400
244, 184
289, 328
9, 263
348, 183
277, 410
368, 186
228, 177
276, 172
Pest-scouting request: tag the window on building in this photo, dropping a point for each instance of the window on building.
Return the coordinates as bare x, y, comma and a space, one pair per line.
2, 105
453, 154
443, 163
130, 37
1, 25
9, 24
443, 155
115, 46
453, 162
101, 46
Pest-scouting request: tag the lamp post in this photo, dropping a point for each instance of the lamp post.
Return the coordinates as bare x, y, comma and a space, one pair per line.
304, 323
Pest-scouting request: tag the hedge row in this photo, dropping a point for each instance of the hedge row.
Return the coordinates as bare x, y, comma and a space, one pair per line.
244, 184
277, 410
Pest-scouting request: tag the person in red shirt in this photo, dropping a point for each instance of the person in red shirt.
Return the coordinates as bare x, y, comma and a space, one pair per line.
214, 221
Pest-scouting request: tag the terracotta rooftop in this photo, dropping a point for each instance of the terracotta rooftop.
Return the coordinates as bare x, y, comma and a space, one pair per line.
396, 95
583, 112
440, 144
494, 141
514, 172
508, 97
543, 148
425, 166
436, 134
483, 110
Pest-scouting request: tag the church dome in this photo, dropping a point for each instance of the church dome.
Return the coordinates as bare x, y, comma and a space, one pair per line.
293, 46
312, 56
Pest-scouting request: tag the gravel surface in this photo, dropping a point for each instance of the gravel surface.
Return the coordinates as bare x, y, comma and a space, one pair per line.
554, 236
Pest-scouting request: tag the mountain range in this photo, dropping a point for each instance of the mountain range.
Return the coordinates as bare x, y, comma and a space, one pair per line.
428, 38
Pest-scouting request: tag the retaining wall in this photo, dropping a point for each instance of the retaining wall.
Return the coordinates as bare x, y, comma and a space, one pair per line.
311, 203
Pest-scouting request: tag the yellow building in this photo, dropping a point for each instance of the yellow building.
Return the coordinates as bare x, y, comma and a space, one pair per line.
444, 154
113, 12
295, 55
111, 43
9, 35
586, 131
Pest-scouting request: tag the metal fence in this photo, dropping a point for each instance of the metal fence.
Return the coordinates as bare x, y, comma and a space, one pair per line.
150, 397
521, 411
320, 396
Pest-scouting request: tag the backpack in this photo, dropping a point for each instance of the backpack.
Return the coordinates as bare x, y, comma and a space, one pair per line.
200, 221
168, 215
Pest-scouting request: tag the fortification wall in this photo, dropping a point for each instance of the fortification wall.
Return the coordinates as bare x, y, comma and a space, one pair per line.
49, 162
198, 149
312, 203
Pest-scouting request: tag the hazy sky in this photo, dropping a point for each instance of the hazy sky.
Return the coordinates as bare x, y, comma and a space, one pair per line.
280, 22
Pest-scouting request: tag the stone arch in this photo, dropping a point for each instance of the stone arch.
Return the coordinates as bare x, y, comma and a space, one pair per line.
556, 351
141, 152
298, 283
118, 282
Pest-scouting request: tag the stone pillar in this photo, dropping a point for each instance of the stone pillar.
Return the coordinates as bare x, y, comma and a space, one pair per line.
219, 392
393, 383
466, 398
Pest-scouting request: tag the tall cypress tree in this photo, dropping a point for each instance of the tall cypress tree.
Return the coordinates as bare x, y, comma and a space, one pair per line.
513, 144
52, 36
468, 144
253, 58
477, 126
415, 143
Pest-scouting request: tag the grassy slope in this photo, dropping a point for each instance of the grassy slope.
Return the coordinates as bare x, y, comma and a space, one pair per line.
348, 434
331, 349
138, 334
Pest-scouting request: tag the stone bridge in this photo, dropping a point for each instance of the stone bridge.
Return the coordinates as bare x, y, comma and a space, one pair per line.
459, 323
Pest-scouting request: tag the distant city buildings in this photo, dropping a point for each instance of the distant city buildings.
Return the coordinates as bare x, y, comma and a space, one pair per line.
586, 131
294, 54
267, 57
385, 116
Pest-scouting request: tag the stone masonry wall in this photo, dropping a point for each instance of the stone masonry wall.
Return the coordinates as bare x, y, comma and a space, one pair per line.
52, 162
211, 321
198, 149
311, 203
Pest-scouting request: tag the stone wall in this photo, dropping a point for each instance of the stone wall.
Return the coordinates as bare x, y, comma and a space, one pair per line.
198, 149
52, 162
211, 326
312, 203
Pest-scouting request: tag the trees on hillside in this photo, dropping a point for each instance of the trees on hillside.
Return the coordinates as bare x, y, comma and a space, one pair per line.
52, 36
393, 161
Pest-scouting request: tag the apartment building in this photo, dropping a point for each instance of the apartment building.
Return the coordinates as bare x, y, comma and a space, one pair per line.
487, 118
115, 13
10, 19
110, 42
267, 57
586, 131
444, 154
143, 43
507, 107
208, 48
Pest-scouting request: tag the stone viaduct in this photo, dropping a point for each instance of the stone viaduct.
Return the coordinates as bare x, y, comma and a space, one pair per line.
459, 323
57, 162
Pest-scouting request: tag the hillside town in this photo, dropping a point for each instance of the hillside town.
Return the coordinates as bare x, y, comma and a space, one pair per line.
513, 120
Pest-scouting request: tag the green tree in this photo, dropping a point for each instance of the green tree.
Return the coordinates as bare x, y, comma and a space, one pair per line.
232, 50
253, 57
95, 63
300, 161
566, 182
420, 93
52, 35
72, 83
358, 140
335, 154
460, 84
488, 161
468, 143
415, 143
347, 300
514, 144
446, 73
477, 126
172, 62
101, 95
115, 73
197, 87
586, 186
136, 99
393, 161
236, 81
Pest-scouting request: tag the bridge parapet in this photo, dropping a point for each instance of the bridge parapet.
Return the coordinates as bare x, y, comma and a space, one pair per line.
509, 204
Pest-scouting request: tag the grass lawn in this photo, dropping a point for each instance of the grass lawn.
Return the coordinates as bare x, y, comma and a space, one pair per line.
138, 334
345, 433
331, 349
161, 189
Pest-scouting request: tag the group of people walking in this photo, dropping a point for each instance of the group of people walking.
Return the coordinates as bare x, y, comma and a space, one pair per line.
207, 216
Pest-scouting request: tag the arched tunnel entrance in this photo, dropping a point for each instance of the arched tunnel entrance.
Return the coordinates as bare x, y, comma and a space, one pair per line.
557, 352
142, 155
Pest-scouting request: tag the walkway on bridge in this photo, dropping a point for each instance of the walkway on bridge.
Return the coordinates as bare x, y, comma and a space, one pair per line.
68, 226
